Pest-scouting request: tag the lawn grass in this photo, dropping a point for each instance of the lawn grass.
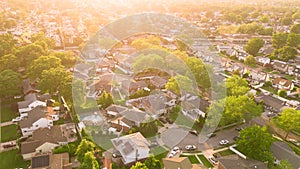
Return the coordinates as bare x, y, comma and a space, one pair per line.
9, 133
226, 152
181, 119
7, 114
205, 162
12, 159
193, 159
270, 89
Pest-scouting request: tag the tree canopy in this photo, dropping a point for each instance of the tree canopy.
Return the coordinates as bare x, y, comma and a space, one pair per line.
9, 83
295, 29
288, 120
279, 40
179, 84
30, 52
84, 147
89, 161
8, 43
139, 165
236, 86
143, 62
255, 142
253, 46
9, 61
286, 53
105, 100
250, 60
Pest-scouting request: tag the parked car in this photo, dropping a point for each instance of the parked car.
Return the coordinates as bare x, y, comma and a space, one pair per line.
213, 160
9, 145
116, 154
170, 155
190, 147
211, 135
176, 148
17, 119
194, 132
224, 142
295, 142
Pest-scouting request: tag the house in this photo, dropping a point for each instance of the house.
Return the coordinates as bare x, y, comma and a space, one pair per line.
283, 84
31, 101
132, 147
180, 163
227, 50
83, 68
43, 140
122, 124
271, 103
49, 160
28, 87
282, 151
236, 162
132, 86
105, 64
280, 66
195, 107
115, 110
158, 82
263, 60
38, 117
258, 77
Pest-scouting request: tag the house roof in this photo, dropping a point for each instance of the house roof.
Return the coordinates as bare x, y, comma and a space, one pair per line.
236, 162
60, 161
27, 87
282, 82
134, 115
116, 108
158, 81
271, 101
29, 146
131, 146
282, 151
175, 163
40, 161
52, 135
33, 116
28, 99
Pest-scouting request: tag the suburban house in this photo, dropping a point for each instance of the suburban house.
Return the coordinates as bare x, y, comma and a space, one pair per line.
31, 101
105, 64
132, 86
280, 66
282, 151
28, 87
132, 147
283, 84
271, 103
236, 162
115, 110
195, 108
258, 77
49, 160
263, 60
122, 124
43, 140
38, 117
180, 163
227, 50
83, 68
158, 82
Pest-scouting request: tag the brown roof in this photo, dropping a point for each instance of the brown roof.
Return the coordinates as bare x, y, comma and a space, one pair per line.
33, 116
52, 135
175, 163
29, 146
236, 162
283, 82
60, 161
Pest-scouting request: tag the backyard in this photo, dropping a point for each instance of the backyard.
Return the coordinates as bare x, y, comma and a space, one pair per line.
12, 159
9, 133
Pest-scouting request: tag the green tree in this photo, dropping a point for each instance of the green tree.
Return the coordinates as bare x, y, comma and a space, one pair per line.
148, 61
288, 120
296, 15
10, 82
42, 63
148, 42
295, 29
139, 165
286, 21
236, 86
253, 46
40, 37
68, 58
55, 79
28, 53
153, 163
293, 40
200, 72
250, 60
84, 147
149, 128
255, 142
279, 40
282, 93
284, 164
179, 84
264, 19
89, 161
105, 100
8, 43
9, 61
286, 53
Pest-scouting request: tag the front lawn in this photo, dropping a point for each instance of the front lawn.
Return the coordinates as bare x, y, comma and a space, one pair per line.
9, 133
205, 162
12, 159
7, 114
193, 159
226, 152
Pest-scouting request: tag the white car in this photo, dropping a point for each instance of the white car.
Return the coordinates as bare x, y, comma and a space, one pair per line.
171, 155
190, 147
16, 119
213, 160
224, 142
176, 148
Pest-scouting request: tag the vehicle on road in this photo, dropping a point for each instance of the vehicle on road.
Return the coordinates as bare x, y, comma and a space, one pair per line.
211, 135
224, 142
190, 147
176, 148
213, 160
194, 132
17, 119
